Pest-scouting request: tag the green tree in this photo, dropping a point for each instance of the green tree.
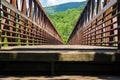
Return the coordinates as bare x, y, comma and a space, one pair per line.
65, 21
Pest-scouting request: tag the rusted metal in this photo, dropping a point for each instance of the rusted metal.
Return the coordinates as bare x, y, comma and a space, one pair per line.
25, 23
97, 24
118, 5
0, 26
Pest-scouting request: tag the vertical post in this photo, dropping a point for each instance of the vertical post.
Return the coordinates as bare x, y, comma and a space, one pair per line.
23, 10
30, 23
107, 28
0, 26
13, 2
52, 68
118, 4
93, 7
95, 32
30, 5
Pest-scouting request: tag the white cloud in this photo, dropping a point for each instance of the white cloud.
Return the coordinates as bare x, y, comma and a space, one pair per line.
52, 2
55, 2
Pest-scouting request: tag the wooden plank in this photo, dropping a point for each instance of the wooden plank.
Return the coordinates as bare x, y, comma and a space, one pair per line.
63, 53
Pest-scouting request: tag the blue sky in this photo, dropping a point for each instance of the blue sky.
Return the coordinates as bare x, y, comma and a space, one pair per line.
56, 2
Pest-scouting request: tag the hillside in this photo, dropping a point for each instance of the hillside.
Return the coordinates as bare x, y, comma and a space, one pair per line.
65, 21
64, 7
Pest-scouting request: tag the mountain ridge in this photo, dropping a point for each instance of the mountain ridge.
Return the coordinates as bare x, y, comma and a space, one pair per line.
64, 7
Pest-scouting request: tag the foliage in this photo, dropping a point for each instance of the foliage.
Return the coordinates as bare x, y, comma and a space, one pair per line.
5, 40
65, 21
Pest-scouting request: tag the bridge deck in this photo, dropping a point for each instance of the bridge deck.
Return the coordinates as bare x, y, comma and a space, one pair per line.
80, 47
59, 60
60, 53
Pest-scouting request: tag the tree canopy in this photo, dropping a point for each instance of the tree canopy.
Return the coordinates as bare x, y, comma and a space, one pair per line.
65, 21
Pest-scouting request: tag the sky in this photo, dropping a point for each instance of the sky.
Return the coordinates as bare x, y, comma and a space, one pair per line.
56, 2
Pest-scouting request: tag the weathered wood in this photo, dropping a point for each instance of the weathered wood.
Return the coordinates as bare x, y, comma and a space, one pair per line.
51, 53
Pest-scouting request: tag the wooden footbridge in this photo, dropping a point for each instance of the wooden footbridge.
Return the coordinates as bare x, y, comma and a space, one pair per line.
30, 44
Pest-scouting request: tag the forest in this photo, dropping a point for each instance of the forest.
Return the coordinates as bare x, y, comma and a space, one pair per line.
65, 21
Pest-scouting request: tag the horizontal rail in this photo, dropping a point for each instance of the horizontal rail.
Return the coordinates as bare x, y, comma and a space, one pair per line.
24, 22
98, 24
